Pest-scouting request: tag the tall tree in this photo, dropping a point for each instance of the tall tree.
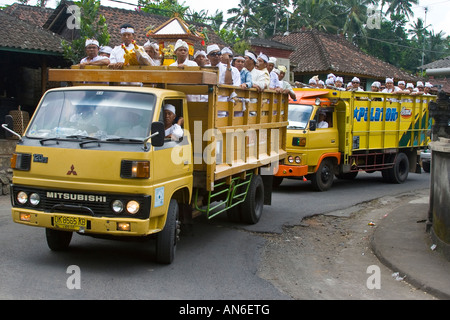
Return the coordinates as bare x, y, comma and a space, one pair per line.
314, 14
244, 15
92, 25
401, 7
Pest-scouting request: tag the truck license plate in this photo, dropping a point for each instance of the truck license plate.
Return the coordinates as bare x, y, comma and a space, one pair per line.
72, 223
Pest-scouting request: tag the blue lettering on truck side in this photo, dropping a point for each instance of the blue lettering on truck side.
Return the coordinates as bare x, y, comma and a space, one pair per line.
376, 114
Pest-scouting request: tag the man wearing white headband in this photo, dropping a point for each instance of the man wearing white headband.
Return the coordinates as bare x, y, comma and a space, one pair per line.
200, 58
389, 86
181, 50
427, 88
117, 57
261, 65
92, 58
227, 74
274, 83
257, 76
172, 130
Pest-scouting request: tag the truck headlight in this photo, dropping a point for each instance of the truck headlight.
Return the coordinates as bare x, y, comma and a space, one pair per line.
117, 206
133, 207
35, 199
22, 197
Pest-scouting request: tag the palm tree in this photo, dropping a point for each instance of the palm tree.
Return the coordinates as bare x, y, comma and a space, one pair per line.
355, 17
243, 15
401, 7
314, 14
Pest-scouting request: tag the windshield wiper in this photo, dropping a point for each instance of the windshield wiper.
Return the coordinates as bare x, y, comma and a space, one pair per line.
124, 140
79, 136
42, 141
295, 127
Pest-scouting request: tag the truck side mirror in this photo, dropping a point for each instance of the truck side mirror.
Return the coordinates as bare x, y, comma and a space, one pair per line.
158, 134
312, 125
9, 124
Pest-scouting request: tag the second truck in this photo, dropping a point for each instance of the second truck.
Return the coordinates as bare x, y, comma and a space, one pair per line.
340, 133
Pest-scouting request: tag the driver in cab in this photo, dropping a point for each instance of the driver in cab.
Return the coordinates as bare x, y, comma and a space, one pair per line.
173, 130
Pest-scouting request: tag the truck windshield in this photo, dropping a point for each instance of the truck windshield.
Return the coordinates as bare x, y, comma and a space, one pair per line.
93, 114
299, 116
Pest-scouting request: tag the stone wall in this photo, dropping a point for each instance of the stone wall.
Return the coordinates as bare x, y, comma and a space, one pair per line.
7, 147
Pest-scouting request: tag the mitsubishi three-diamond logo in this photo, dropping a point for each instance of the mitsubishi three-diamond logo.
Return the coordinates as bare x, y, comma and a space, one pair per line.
72, 171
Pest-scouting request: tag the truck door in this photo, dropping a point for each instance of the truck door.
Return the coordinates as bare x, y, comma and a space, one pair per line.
173, 159
325, 138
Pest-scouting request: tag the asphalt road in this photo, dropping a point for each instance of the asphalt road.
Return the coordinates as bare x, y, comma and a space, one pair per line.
218, 260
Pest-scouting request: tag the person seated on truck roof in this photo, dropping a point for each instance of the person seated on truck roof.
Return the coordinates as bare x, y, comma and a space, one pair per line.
181, 50
152, 50
92, 57
117, 57
356, 85
172, 130
339, 83
389, 86
105, 51
323, 124
419, 88
200, 58
287, 88
226, 73
258, 78
261, 64
274, 73
427, 88
402, 87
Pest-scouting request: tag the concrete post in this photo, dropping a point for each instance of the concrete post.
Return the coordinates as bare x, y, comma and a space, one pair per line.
439, 210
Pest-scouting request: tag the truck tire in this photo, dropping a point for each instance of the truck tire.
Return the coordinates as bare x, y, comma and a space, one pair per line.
166, 239
399, 172
253, 205
322, 179
58, 240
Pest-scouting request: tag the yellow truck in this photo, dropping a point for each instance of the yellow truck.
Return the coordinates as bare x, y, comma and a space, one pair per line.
95, 158
339, 133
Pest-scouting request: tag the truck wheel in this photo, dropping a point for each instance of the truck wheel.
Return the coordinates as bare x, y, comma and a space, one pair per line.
166, 239
58, 240
322, 179
253, 205
399, 172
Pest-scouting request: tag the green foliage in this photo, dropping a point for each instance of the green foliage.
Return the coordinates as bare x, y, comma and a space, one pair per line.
167, 8
92, 26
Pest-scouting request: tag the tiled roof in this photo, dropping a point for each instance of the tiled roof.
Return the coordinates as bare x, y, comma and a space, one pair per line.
32, 14
442, 63
18, 35
321, 52
260, 42
115, 17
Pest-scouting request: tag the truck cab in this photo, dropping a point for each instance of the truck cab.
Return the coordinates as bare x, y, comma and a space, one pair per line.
312, 139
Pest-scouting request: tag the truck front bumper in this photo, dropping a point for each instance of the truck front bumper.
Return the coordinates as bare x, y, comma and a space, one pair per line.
291, 171
84, 224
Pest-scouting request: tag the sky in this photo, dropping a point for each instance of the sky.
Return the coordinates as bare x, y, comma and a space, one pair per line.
438, 14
